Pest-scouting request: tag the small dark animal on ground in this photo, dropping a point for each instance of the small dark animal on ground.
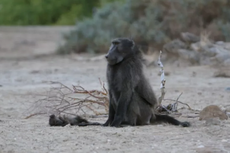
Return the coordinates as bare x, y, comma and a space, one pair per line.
132, 100
64, 120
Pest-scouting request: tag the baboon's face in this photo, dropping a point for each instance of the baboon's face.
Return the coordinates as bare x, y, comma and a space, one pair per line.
120, 48
52, 116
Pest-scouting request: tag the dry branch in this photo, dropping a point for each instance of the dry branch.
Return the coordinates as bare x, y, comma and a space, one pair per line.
171, 107
162, 87
180, 103
174, 106
62, 99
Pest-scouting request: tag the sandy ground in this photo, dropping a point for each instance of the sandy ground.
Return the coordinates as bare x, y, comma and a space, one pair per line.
27, 64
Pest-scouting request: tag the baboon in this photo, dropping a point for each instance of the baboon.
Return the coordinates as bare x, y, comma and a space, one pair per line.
64, 120
57, 121
132, 100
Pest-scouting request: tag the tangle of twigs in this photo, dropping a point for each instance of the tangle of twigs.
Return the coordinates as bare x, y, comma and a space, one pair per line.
171, 107
76, 100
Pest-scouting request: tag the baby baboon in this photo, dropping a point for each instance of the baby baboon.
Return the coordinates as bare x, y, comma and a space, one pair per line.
132, 100
64, 120
57, 121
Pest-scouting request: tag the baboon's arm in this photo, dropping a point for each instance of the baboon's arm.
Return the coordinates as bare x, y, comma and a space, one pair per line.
145, 91
111, 111
123, 103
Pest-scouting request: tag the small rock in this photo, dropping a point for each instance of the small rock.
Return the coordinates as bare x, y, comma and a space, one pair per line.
223, 108
35, 71
228, 114
209, 149
213, 51
212, 111
221, 57
188, 55
223, 73
200, 146
226, 62
220, 43
173, 46
189, 37
193, 74
195, 46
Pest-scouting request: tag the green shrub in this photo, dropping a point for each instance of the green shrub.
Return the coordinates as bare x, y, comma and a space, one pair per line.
45, 12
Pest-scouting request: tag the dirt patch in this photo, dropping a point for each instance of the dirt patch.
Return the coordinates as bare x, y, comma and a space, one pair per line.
23, 78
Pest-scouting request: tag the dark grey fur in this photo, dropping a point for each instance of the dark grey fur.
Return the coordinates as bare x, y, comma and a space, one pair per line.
64, 120
57, 121
132, 100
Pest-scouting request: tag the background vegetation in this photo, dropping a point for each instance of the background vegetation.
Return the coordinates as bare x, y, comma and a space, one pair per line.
151, 23
46, 12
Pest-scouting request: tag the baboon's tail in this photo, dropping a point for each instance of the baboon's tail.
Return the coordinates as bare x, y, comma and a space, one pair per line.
170, 120
90, 123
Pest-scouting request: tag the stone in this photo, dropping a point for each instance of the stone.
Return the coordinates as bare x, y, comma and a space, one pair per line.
189, 37
212, 111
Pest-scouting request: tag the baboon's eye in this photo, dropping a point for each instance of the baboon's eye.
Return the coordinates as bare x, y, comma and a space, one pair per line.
116, 42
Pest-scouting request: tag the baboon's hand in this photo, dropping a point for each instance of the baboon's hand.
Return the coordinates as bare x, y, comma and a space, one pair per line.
117, 122
82, 124
185, 124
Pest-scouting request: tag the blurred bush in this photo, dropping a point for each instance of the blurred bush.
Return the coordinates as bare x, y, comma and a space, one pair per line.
45, 12
151, 23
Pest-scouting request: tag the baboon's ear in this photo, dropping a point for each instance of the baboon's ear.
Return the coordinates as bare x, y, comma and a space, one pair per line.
133, 43
131, 39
